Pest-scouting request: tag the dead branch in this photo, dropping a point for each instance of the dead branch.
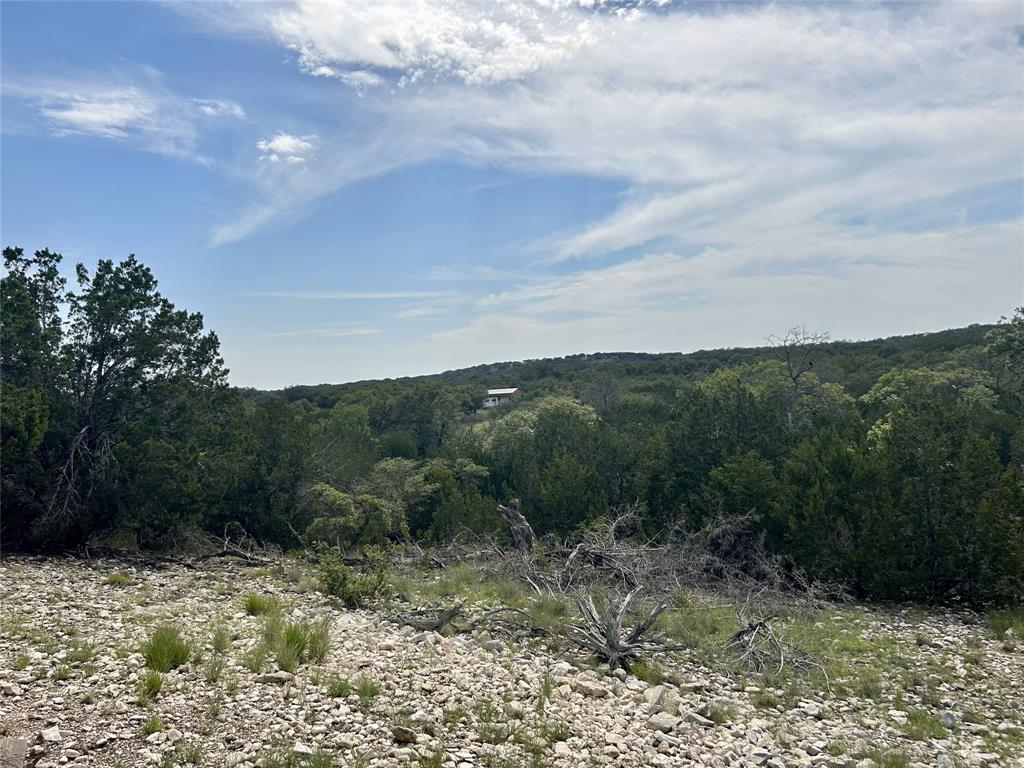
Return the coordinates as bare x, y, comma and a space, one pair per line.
601, 631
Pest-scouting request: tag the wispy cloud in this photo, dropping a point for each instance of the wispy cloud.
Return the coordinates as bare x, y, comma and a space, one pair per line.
219, 108
709, 114
347, 295
325, 332
139, 111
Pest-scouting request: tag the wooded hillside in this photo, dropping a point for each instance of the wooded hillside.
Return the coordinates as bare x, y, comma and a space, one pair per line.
893, 466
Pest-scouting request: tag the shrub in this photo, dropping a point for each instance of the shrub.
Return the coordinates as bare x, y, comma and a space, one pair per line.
166, 649
352, 588
260, 605
153, 725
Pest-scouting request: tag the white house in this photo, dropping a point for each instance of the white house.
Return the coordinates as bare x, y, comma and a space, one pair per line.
499, 396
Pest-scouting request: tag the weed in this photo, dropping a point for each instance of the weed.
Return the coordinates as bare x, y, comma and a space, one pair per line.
80, 652
20, 661
650, 672
765, 699
349, 586
887, 758
191, 753
321, 758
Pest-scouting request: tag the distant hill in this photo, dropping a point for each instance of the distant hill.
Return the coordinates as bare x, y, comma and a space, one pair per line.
854, 364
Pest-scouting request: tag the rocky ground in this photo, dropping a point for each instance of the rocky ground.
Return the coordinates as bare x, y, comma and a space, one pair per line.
71, 669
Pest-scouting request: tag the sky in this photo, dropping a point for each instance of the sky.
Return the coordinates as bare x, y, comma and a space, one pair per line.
353, 190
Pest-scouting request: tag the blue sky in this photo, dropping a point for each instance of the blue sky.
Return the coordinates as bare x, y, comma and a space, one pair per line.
356, 190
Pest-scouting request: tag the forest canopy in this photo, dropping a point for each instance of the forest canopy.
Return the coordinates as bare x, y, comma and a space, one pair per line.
894, 467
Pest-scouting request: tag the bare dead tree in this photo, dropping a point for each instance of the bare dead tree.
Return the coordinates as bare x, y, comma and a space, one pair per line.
797, 348
523, 537
601, 630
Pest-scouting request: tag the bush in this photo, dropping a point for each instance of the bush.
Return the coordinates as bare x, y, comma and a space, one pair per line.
344, 583
166, 649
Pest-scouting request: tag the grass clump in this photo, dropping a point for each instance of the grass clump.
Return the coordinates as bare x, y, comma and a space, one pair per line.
221, 640
261, 605
214, 669
153, 725
367, 690
922, 724
887, 758
338, 687
118, 579
20, 662
149, 686
166, 649
453, 715
256, 657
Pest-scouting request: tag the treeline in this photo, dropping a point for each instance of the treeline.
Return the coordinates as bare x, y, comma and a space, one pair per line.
895, 467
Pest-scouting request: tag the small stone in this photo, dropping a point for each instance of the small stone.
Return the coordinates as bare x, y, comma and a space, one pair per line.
562, 668
588, 688
13, 753
662, 721
298, 748
50, 734
697, 719
403, 734
280, 677
948, 719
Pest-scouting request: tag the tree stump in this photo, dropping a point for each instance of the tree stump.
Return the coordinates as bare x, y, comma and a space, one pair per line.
523, 536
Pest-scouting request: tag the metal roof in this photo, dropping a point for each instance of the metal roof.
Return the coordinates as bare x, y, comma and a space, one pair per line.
509, 391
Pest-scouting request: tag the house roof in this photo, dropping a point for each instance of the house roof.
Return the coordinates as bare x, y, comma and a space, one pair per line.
508, 391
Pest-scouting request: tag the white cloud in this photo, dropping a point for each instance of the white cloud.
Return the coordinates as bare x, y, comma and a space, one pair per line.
220, 108
285, 148
748, 137
707, 113
139, 112
476, 42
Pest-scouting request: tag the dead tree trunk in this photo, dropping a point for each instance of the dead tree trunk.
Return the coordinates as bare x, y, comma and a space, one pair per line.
523, 536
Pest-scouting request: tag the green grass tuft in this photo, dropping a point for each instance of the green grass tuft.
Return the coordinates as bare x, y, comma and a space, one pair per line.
166, 649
